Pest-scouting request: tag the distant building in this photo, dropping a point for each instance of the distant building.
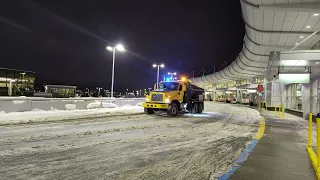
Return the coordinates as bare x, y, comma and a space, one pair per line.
79, 93
15, 82
61, 91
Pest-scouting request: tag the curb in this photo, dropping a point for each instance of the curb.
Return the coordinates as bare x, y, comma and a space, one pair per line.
246, 152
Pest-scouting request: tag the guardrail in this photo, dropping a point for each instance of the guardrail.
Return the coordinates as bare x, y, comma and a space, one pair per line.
314, 157
20, 104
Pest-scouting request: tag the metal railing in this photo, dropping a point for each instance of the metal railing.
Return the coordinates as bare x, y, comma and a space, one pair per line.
20, 104
314, 157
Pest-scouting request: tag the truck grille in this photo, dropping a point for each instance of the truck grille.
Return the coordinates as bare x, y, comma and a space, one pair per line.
157, 97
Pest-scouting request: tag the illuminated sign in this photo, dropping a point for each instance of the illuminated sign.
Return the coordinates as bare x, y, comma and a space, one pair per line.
252, 91
294, 78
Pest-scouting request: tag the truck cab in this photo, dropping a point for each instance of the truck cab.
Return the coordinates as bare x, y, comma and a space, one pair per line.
174, 97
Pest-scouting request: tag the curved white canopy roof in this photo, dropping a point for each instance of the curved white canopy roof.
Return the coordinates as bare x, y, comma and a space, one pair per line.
270, 25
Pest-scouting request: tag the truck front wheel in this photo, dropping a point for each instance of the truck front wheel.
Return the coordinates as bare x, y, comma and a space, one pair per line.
173, 110
148, 111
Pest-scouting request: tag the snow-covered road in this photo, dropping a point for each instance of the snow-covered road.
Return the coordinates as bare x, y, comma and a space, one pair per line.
128, 146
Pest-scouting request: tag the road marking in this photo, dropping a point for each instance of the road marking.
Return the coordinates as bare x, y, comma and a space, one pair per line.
261, 129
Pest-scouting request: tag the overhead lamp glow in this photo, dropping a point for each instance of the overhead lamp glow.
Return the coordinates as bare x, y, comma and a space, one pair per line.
228, 92
301, 37
154, 65
120, 47
316, 14
308, 27
109, 48
317, 62
162, 65
297, 43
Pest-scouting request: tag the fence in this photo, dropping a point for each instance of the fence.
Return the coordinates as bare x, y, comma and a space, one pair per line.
314, 157
20, 104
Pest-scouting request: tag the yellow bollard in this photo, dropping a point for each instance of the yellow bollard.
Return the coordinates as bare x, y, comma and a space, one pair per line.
279, 110
318, 142
282, 107
310, 131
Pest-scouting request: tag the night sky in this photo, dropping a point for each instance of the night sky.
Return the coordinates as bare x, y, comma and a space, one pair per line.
64, 41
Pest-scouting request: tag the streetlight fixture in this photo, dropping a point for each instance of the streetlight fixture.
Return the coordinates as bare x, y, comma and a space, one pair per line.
158, 65
120, 48
171, 75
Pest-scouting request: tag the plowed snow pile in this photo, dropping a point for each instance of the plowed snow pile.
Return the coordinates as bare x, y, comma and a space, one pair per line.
128, 146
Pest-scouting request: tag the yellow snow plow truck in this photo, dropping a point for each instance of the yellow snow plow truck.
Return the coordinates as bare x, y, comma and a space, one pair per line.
173, 97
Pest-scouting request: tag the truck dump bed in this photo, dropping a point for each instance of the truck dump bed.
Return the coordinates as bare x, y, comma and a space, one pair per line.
193, 92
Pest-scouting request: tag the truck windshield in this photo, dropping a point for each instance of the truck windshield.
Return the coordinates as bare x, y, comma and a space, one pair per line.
169, 86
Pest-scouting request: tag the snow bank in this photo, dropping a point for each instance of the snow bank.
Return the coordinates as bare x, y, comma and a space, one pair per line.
100, 105
71, 107
18, 102
55, 115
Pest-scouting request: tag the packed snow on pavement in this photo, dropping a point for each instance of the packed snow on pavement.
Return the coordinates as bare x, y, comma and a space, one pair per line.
128, 145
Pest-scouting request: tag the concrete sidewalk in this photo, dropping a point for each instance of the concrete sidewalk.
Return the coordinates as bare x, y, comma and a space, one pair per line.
280, 154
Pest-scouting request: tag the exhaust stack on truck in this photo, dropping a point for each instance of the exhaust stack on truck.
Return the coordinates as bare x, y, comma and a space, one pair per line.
173, 97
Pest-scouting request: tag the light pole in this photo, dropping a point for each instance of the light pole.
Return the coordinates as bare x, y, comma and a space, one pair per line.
99, 91
158, 65
171, 75
120, 48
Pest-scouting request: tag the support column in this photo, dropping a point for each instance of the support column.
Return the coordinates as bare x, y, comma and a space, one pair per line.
306, 100
238, 96
275, 94
283, 91
10, 88
314, 102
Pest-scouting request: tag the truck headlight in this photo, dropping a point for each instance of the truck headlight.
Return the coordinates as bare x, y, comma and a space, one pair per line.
167, 100
147, 99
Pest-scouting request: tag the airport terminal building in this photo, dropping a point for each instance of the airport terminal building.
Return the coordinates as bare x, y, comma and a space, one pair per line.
279, 63
15, 82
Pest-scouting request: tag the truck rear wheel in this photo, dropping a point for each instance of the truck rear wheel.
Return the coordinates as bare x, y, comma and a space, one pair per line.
195, 108
148, 111
173, 110
201, 107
